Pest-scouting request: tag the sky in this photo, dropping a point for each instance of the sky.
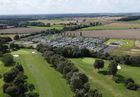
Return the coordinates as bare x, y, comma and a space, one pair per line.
8, 7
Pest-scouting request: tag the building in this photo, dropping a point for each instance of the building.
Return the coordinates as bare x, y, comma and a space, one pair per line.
3, 26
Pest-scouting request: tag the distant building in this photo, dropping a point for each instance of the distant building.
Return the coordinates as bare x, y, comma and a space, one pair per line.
3, 26
80, 33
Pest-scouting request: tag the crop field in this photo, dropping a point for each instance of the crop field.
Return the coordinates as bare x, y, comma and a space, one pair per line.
104, 82
48, 82
120, 34
20, 30
114, 26
31, 29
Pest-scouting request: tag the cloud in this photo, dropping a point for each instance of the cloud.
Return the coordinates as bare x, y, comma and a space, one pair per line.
67, 6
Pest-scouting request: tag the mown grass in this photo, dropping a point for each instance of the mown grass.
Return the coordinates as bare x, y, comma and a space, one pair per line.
48, 82
124, 48
104, 83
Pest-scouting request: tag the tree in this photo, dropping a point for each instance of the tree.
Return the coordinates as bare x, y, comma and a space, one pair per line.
113, 68
99, 64
16, 37
8, 60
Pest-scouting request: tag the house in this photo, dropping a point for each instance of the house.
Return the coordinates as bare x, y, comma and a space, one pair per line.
3, 26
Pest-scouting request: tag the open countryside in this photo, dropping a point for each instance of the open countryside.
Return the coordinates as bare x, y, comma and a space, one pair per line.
60, 48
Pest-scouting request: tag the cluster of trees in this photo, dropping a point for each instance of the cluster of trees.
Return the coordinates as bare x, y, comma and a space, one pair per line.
15, 22
112, 70
49, 31
4, 44
75, 52
80, 26
8, 60
5, 40
74, 27
39, 24
130, 84
130, 18
16, 85
78, 81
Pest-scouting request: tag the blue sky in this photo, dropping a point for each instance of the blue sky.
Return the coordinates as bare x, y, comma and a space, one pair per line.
67, 6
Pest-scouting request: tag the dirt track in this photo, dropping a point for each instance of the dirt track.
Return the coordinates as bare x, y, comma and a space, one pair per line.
125, 34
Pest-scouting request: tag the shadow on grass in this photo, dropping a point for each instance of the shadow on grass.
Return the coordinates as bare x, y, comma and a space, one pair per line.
120, 79
103, 72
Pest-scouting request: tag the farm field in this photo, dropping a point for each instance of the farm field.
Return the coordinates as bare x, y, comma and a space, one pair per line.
114, 26
30, 29
48, 82
104, 82
20, 30
120, 34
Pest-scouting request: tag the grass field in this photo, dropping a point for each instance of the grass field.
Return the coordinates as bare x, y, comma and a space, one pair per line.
124, 49
134, 22
9, 35
48, 82
59, 27
104, 83
55, 21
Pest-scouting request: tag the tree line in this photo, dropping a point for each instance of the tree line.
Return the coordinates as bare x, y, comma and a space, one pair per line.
130, 18
76, 52
80, 26
78, 81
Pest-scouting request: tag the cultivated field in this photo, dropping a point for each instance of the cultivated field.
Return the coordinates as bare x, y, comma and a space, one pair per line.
121, 34
49, 82
104, 82
30, 29
20, 30
114, 26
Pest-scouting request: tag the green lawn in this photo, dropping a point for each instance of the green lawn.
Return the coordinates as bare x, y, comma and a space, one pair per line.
105, 27
123, 49
48, 82
104, 83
